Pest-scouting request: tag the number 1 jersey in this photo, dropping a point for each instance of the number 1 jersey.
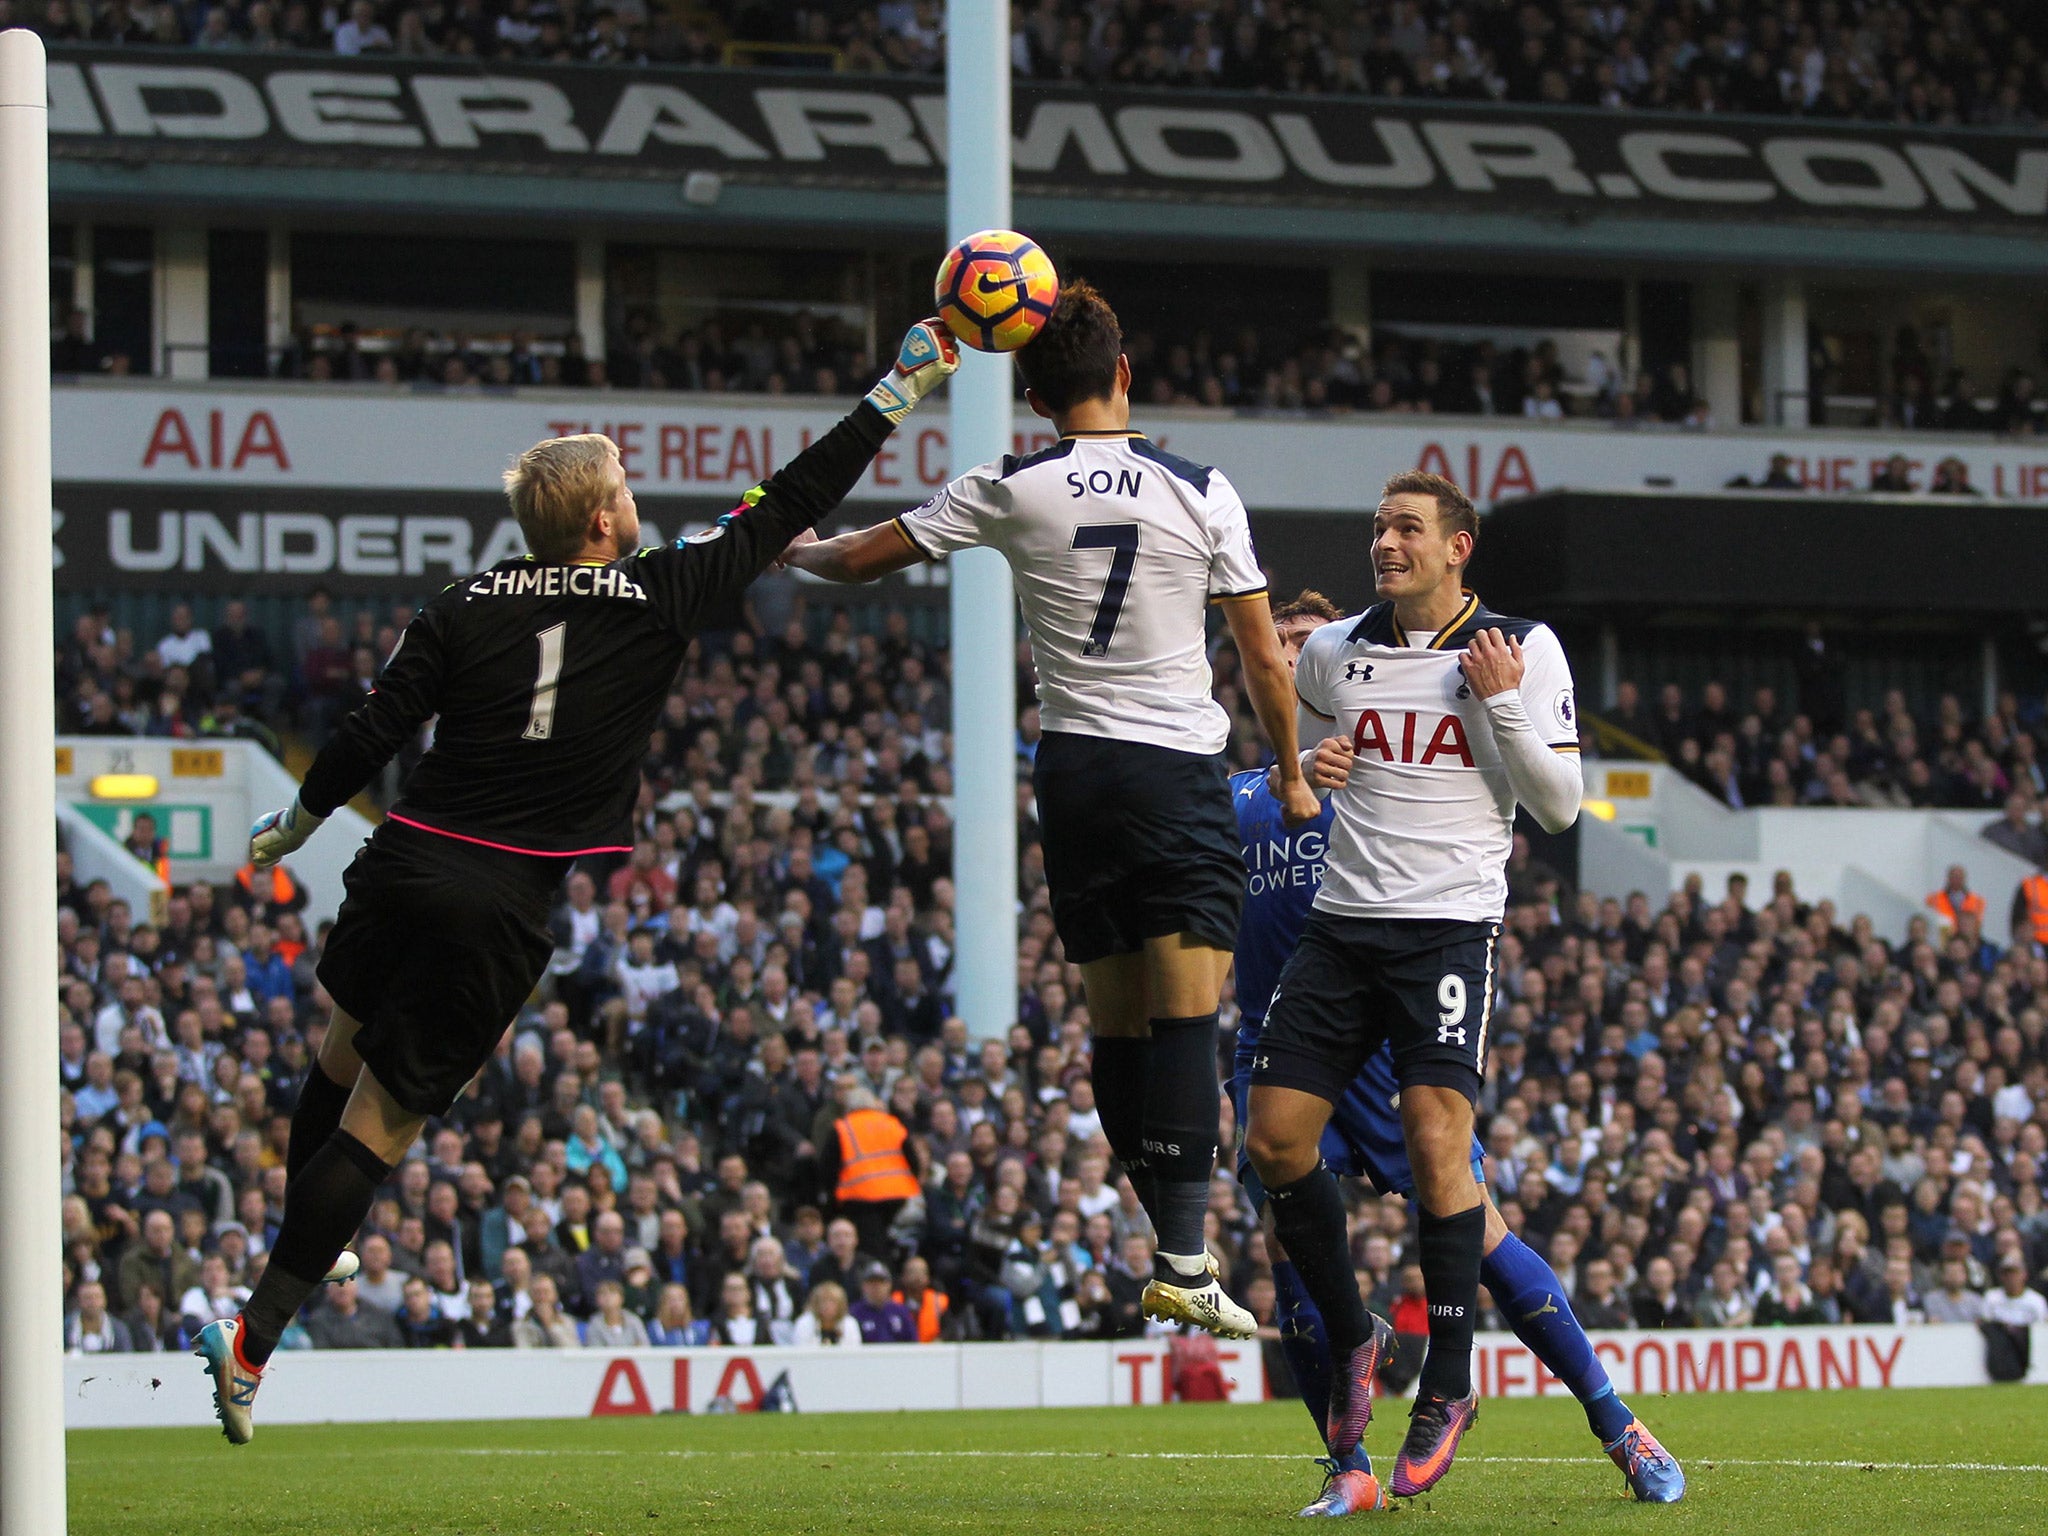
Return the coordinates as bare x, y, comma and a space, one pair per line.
548, 679
1117, 547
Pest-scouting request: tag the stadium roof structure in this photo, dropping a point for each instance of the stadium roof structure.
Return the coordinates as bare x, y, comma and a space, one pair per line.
1921, 558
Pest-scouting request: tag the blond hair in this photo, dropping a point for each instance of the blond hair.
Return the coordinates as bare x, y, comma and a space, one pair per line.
557, 487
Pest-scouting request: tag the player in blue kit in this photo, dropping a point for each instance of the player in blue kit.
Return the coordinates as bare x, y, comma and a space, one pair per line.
1284, 869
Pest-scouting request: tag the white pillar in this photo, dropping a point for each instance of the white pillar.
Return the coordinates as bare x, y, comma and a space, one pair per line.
1784, 371
31, 1289
277, 296
181, 317
1717, 349
590, 294
984, 631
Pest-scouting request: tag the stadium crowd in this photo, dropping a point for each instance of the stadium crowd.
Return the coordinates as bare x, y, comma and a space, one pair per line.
1325, 371
1764, 752
1912, 61
742, 1111
1329, 371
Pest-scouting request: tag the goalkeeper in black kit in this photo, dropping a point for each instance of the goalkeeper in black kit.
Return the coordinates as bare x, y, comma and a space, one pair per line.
547, 674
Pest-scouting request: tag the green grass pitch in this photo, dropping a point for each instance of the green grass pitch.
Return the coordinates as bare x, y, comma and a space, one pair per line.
1898, 1463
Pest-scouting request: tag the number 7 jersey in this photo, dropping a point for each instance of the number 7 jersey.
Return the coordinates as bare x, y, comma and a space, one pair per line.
1117, 547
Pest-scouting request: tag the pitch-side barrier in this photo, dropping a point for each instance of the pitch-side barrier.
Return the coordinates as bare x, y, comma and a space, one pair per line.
356, 1386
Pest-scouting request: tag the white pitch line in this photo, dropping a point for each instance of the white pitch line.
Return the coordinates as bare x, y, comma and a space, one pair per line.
1707, 1462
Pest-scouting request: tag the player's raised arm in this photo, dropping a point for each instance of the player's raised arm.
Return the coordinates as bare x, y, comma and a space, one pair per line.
1270, 682
744, 542
407, 695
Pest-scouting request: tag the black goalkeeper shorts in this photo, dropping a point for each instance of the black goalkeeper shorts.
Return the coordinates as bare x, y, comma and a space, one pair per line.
438, 945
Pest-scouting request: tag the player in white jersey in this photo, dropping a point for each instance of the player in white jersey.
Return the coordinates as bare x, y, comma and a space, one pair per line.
1445, 717
1117, 548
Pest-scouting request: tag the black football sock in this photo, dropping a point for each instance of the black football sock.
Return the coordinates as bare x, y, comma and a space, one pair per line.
1183, 1100
1308, 1217
317, 1117
323, 1208
1120, 1068
1450, 1253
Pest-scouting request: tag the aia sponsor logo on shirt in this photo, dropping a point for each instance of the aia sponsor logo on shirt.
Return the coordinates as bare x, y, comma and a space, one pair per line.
1408, 736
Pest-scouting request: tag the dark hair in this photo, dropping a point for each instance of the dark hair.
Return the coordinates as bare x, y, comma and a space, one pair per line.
1074, 357
1306, 604
1453, 507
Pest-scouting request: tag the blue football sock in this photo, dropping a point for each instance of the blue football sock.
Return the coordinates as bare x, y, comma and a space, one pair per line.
1303, 1342
1526, 1292
1307, 1349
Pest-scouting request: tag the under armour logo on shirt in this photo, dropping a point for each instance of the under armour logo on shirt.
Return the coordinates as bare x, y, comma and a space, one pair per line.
1357, 671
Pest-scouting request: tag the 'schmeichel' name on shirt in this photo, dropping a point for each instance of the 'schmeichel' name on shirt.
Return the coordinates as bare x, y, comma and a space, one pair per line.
558, 581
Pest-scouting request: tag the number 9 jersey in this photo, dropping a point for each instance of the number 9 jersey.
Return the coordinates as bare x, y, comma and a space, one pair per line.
1117, 547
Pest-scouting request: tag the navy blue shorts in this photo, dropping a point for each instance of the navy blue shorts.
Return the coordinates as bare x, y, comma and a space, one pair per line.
1140, 842
1422, 986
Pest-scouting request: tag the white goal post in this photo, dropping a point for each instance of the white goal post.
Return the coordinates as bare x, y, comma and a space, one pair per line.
31, 1284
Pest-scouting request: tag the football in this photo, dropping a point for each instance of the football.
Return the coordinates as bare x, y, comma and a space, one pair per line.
995, 290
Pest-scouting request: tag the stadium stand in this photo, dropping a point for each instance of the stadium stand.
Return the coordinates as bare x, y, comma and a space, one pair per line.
1863, 60
1706, 1114
1327, 371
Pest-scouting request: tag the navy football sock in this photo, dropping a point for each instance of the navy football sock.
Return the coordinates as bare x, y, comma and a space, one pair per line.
1183, 1102
1448, 1247
1526, 1292
1119, 1069
1308, 1218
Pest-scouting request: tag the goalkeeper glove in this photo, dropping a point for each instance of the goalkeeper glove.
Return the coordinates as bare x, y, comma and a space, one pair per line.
281, 832
928, 355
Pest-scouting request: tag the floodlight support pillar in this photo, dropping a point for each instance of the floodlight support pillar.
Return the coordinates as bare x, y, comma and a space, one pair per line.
31, 1284
982, 602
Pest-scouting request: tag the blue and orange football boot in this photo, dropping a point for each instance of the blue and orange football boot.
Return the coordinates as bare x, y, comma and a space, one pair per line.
1349, 1488
1351, 1391
1653, 1473
1435, 1426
